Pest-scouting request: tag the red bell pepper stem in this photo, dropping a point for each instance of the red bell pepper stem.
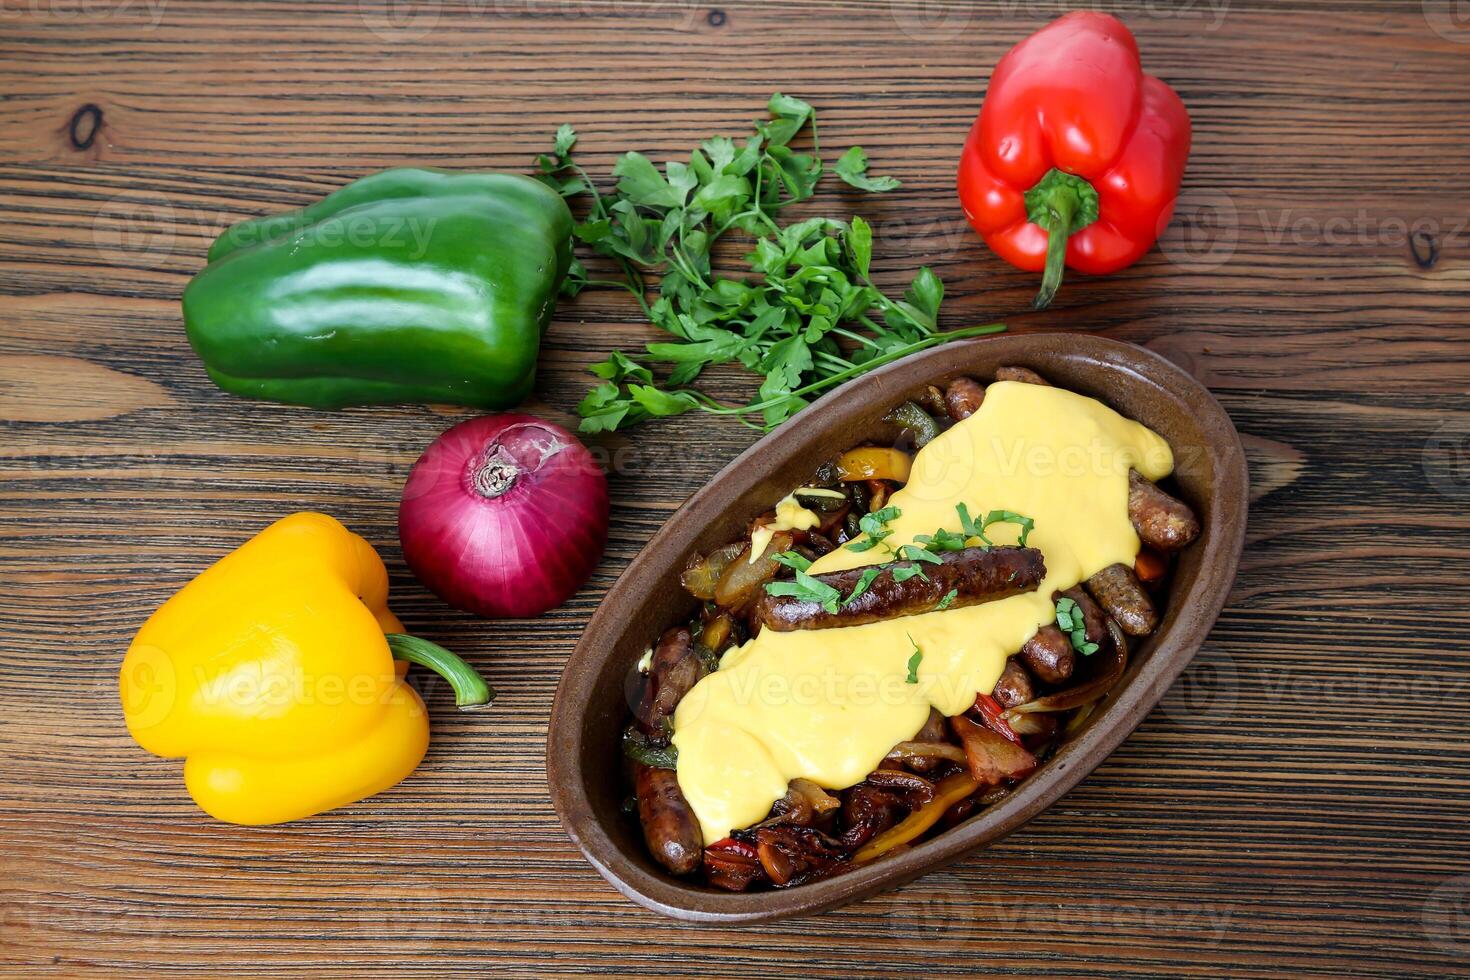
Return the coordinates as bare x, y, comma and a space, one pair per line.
1060, 210
1062, 203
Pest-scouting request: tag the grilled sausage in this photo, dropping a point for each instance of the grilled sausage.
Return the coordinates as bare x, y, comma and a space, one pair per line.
673, 670
1092, 617
669, 828
1162, 522
975, 575
1050, 656
1121, 595
1026, 376
1014, 686
963, 397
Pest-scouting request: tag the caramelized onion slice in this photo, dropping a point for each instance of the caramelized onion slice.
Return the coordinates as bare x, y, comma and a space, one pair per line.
917, 751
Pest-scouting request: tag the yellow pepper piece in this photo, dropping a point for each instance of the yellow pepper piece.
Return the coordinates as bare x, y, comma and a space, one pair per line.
271, 674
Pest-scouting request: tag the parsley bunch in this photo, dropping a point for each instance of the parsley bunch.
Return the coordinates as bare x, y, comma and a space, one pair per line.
806, 316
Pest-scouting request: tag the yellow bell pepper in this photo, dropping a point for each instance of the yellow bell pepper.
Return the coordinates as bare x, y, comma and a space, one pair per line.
277, 674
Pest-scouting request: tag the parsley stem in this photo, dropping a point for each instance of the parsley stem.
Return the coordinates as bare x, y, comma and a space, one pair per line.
716, 408
854, 336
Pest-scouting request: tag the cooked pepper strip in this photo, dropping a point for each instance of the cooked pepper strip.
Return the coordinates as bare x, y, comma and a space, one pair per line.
951, 790
874, 463
1077, 155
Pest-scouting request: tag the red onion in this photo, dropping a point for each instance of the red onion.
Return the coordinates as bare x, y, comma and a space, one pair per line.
504, 515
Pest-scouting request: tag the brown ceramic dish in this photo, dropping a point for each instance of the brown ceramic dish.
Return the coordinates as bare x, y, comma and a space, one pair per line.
591, 705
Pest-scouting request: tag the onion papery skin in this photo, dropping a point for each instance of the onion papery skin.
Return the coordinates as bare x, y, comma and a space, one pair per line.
504, 516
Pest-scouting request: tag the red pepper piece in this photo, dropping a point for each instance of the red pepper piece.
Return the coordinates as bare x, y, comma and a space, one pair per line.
1077, 155
994, 716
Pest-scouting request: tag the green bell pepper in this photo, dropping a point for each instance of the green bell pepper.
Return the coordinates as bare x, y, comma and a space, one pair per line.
409, 285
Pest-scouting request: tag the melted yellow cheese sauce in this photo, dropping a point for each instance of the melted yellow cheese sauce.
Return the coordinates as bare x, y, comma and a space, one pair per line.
828, 705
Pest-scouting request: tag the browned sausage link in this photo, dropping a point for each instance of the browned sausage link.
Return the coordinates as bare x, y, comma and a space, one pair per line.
975, 575
1092, 616
963, 397
1012, 372
672, 671
1121, 595
668, 821
1162, 522
1014, 686
1050, 656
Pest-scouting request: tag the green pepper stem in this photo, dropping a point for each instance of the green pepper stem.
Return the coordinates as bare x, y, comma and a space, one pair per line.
470, 690
1060, 208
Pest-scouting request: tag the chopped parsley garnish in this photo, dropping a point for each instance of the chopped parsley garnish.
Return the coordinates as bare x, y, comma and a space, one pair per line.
949, 597
864, 582
942, 540
914, 660
1071, 621
793, 559
974, 530
903, 573
808, 589
915, 553
875, 526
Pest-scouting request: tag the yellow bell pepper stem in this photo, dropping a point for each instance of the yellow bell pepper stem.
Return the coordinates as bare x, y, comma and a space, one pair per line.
471, 693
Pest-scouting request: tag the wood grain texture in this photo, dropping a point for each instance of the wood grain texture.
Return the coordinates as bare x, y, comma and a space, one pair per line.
1297, 805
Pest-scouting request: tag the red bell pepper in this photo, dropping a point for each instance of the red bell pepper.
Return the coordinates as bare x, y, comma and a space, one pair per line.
1076, 155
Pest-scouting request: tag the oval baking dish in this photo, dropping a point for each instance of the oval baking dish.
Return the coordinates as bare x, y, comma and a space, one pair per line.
591, 702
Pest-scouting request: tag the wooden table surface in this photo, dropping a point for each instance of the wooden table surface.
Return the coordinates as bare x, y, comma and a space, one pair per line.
1296, 805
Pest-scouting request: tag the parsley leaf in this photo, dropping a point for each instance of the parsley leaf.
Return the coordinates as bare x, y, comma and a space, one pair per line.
903, 573
1011, 517
942, 540
915, 553
808, 589
875, 526
914, 660
949, 598
852, 167
864, 582
792, 559
1071, 621
974, 530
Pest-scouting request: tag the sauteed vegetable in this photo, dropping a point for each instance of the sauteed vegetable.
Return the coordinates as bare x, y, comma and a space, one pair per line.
950, 768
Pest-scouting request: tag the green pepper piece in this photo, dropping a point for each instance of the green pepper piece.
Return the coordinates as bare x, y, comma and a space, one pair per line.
409, 285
